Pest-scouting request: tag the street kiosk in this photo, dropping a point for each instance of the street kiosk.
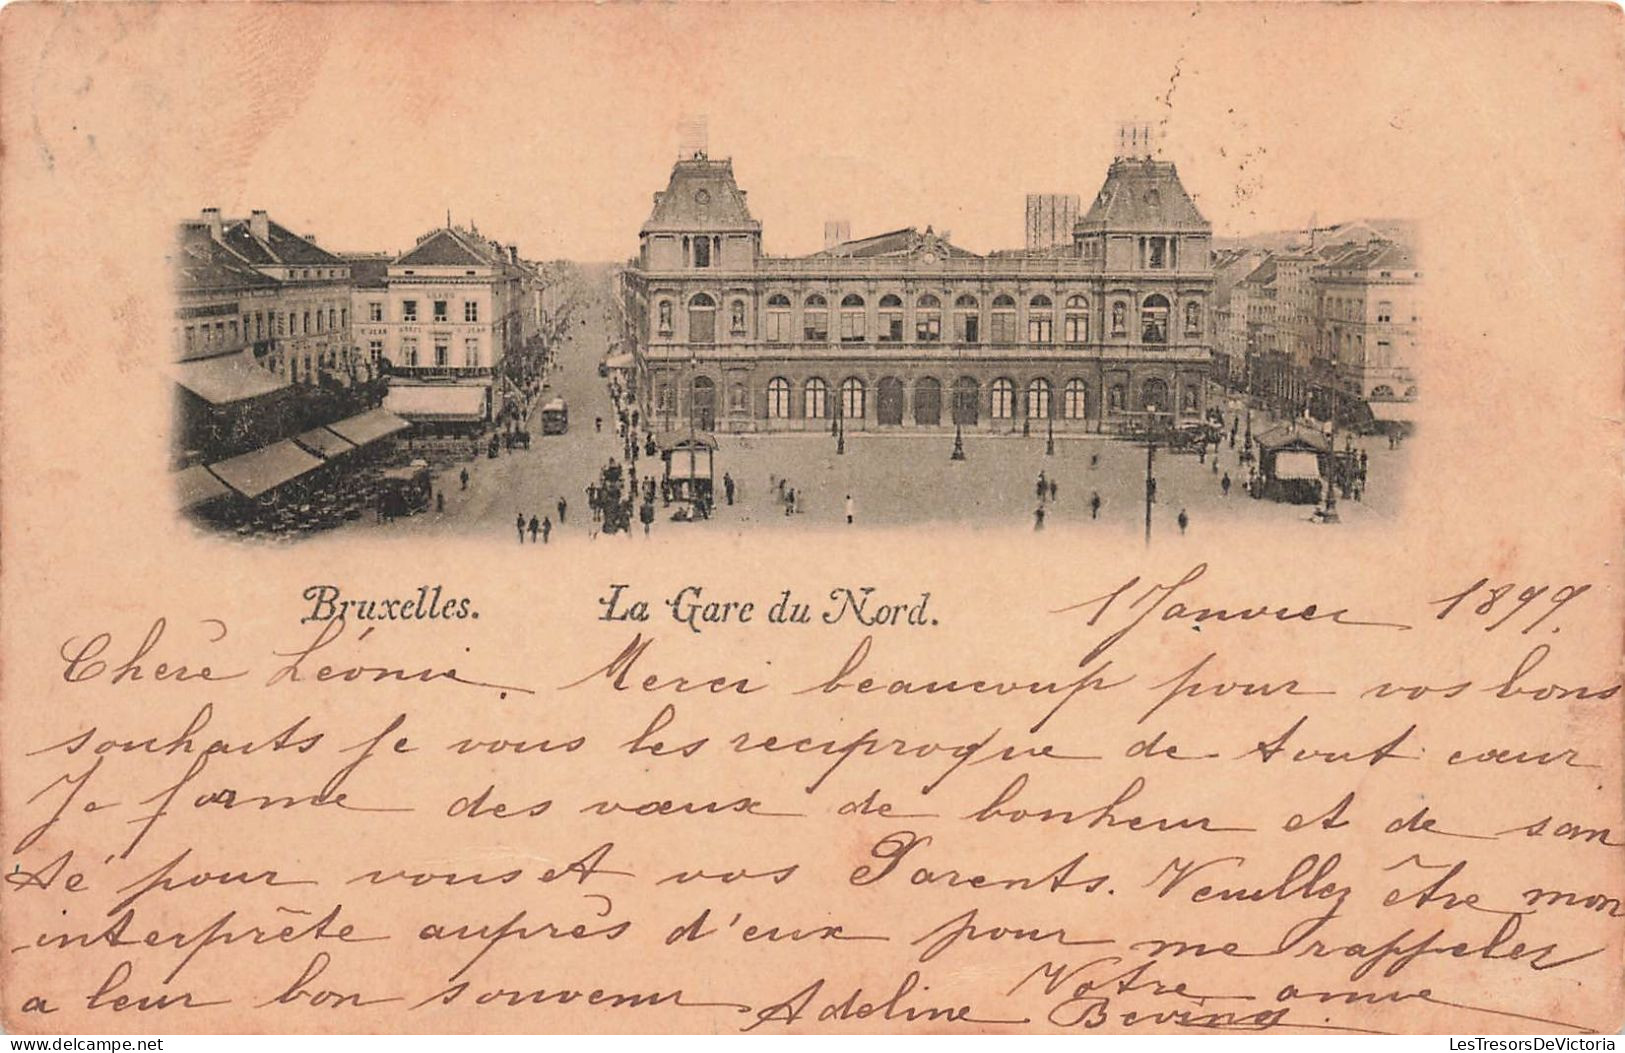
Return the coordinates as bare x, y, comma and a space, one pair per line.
688, 459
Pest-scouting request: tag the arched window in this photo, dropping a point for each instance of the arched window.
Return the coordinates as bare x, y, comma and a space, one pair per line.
663, 324
1040, 320
1119, 318
1154, 319
1038, 392
778, 399
1074, 399
815, 320
852, 398
1382, 391
1154, 395
778, 319
852, 328
1193, 318
817, 399
702, 319
1004, 319
1077, 320
1004, 399
967, 320
891, 319
928, 401
736, 317
928, 319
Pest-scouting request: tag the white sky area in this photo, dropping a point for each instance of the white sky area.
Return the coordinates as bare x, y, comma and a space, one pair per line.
554, 129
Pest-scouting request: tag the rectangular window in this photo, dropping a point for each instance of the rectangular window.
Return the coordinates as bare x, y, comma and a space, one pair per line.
778, 327
409, 352
851, 327
702, 252
471, 352
442, 353
891, 327
440, 310
375, 350
1004, 327
409, 310
471, 311
969, 328
1040, 329
815, 327
928, 327
375, 311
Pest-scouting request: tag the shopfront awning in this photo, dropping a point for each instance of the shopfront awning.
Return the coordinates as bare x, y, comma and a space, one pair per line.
368, 427
259, 471
1393, 411
437, 402
197, 486
324, 442
1297, 464
225, 379
620, 361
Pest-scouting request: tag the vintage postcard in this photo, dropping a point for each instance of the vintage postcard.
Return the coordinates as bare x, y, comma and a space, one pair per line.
812, 518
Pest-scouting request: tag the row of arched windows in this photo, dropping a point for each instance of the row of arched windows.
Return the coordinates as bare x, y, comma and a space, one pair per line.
1038, 399
966, 319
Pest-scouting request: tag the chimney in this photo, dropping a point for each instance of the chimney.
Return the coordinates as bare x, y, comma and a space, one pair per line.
311, 238
259, 224
513, 254
836, 231
211, 216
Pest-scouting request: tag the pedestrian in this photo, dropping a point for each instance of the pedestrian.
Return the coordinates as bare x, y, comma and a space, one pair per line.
1224, 484
440, 502
1215, 462
519, 522
1094, 505
848, 509
1184, 521
534, 527
463, 477
1094, 460
1038, 518
1043, 487
547, 528
562, 506
1053, 487
647, 514
598, 424
728, 486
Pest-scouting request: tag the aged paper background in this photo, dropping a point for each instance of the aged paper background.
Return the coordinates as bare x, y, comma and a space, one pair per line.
1497, 128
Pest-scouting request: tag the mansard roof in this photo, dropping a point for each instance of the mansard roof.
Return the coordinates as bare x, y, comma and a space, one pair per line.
1142, 194
701, 195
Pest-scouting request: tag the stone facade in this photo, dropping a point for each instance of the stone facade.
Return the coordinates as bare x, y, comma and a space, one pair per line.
907, 330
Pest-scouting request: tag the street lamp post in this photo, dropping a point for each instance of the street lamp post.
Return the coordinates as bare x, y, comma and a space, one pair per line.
959, 445
1049, 442
1150, 461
